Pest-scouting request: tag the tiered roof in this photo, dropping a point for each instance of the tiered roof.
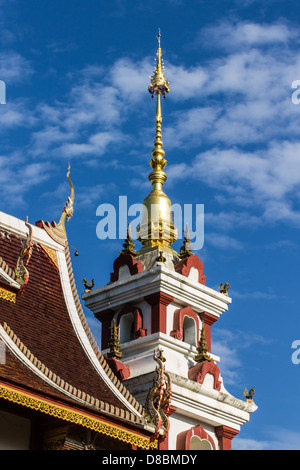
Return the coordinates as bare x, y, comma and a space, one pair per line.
52, 363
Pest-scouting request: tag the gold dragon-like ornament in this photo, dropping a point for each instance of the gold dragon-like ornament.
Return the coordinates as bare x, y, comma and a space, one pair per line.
21, 271
68, 209
159, 396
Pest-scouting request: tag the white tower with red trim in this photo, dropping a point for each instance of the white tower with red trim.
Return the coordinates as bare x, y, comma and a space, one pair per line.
158, 301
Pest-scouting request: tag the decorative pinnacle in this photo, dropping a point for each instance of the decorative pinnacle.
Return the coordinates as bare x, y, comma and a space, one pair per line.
114, 343
186, 249
159, 86
158, 83
202, 349
128, 246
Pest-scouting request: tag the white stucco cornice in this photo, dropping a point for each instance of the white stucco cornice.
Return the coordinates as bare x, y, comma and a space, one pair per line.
158, 279
17, 227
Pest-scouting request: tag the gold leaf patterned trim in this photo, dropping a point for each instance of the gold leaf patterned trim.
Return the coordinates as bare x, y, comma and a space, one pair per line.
76, 417
7, 295
52, 254
65, 387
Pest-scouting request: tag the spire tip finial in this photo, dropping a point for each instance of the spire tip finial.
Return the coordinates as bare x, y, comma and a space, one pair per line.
158, 82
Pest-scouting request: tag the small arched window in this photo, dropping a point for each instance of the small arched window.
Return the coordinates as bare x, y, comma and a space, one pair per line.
189, 330
127, 327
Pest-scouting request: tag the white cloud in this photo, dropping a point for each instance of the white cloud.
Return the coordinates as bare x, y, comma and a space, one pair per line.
194, 123
17, 177
227, 220
96, 145
241, 443
89, 197
245, 33
131, 78
43, 139
15, 114
186, 82
239, 99
230, 364
84, 124
14, 68
272, 438
254, 295
228, 346
222, 241
265, 180
282, 244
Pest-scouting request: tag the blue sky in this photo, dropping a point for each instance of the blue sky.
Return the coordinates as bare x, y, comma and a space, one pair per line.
76, 76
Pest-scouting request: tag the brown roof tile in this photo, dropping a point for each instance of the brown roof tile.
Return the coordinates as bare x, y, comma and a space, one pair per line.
40, 320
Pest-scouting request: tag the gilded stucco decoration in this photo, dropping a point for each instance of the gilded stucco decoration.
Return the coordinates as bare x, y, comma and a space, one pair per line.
7, 295
159, 396
21, 271
77, 417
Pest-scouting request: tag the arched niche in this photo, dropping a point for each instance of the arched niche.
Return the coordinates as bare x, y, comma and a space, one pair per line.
130, 320
195, 438
189, 328
126, 327
186, 325
196, 443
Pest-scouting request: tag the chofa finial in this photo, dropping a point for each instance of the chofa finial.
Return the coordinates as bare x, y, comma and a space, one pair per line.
68, 210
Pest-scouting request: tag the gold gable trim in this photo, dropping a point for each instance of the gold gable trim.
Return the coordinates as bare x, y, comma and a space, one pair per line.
52, 254
7, 295
76, 417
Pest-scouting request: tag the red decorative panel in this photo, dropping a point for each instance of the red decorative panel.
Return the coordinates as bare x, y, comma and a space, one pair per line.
125, 259
198, 372
159, 302
121, 370
225, 434
184, 267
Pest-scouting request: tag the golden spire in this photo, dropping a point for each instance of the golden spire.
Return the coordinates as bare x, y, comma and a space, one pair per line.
157, 229
159, 86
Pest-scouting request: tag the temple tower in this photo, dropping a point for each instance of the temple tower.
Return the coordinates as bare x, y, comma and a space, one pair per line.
157, 314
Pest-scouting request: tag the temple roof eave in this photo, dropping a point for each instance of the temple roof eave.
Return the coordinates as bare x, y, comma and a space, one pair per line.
103, 423
16, 228
70, 396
